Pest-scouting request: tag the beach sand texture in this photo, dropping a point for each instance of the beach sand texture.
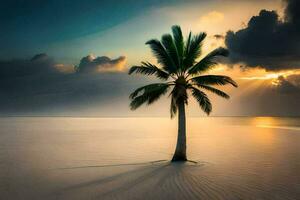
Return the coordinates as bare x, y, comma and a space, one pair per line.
118, 158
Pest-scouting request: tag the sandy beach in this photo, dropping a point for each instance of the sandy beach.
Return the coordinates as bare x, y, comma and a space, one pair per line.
88, 158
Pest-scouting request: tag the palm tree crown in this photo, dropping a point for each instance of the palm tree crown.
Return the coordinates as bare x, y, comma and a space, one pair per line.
180, 71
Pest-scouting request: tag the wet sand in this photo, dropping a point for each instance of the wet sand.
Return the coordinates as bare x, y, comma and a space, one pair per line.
253, 158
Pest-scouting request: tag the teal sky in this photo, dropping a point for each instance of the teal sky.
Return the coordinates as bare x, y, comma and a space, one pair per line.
29, 27
69, 30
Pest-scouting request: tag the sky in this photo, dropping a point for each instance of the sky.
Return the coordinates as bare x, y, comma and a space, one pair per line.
64, 57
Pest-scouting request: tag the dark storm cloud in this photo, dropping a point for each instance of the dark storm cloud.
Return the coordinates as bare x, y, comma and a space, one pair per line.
39, 64
268, 41
92, 64
35, 85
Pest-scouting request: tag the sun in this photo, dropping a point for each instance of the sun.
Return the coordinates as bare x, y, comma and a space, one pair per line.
273, 76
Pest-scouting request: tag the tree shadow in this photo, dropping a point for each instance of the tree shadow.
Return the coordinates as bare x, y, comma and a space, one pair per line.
146, 178
115, 165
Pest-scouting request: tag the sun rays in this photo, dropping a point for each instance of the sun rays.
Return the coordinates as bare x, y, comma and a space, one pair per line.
270, 75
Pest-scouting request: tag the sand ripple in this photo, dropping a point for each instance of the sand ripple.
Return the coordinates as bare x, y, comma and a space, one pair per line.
180, 181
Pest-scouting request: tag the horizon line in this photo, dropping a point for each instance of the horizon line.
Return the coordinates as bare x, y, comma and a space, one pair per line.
99, 116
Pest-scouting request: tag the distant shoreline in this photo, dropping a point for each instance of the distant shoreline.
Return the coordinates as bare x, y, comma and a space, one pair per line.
76, 116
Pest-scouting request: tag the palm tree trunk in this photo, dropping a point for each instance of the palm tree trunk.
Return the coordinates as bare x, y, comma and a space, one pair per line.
180, 152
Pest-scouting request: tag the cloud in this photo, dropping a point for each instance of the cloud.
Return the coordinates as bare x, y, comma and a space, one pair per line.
52, 91
212, 17
39, 64
92, 64
281, 100
268, 41
219, 36
41, 85
65, 68
287, 85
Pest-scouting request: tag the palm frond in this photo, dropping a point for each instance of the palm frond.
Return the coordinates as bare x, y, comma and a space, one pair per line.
147, 89
169, 44
213, 80
147, 94
215, 91
149, 69
187, 44
162, 55
208, 61
193, 50
179, 41
202, 99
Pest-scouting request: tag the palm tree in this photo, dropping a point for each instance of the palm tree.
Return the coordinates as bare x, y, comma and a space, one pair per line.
180, 71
